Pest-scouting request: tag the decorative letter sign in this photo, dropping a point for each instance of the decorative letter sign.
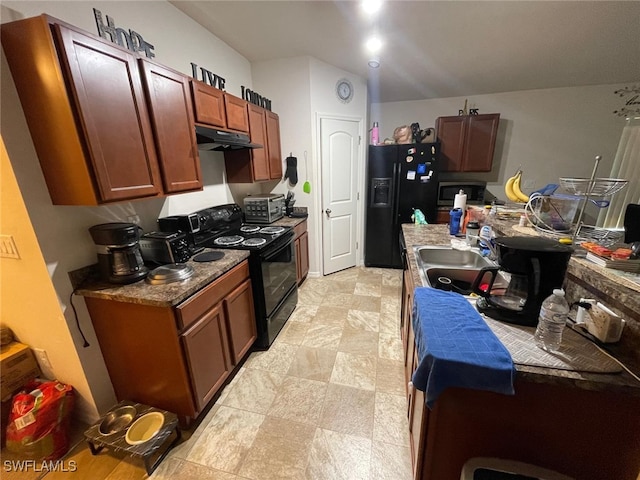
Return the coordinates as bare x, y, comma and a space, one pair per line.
130, 40
255, 98
208, 77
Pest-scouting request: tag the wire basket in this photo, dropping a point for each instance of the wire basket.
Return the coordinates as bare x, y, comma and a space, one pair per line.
601, 187
601, 236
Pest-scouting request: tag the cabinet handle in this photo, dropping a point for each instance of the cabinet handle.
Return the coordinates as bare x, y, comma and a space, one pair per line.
328, 212
410, 385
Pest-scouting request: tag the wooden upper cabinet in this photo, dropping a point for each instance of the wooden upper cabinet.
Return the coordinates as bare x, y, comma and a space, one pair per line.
86, 110
171, 112
208, 104
237, 113
257, 164
273, 143
258, 133
467, 142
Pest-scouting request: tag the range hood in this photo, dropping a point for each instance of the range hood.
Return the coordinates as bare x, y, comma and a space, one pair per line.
221, 140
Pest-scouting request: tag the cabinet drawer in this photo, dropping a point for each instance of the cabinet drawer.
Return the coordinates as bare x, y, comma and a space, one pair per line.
300, 229
193, 308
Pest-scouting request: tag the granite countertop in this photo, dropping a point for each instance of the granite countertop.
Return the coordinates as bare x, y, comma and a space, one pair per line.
416, 235
167, 295
172, 294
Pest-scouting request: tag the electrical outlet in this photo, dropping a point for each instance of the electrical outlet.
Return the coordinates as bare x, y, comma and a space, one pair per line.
43, 359
8, 247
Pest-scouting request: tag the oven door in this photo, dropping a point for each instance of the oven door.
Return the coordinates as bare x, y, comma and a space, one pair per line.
278, 265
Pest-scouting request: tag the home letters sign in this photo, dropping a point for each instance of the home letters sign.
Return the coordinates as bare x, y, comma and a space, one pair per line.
131, 40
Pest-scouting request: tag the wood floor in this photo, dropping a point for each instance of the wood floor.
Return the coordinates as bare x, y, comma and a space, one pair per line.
325, 402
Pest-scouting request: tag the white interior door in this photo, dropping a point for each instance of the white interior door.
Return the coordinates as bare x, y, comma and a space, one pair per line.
340, 146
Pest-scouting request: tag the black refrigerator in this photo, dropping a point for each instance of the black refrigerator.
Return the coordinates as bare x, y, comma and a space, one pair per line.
400, 178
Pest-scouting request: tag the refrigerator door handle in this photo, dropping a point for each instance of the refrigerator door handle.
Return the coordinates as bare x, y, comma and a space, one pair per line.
396, 193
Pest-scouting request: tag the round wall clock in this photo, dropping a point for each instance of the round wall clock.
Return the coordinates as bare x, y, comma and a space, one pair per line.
344, 90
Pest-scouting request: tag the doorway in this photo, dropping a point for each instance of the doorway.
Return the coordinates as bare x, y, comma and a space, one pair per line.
339, 159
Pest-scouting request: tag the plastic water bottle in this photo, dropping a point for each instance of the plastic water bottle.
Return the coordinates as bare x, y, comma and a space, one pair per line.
552, 320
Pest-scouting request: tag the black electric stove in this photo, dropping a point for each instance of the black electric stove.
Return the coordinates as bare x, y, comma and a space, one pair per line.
272, 262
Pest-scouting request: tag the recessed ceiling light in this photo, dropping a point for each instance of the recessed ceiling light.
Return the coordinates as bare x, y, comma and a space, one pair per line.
371, 6
373, 44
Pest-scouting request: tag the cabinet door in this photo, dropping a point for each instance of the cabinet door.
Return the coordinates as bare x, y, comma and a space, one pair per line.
208, 104
480, 142
172, 117
106, 87
273, 142
303, 241
451, 135
206, 348
405, 322
258, 132
418, 418
241, 320
237, 113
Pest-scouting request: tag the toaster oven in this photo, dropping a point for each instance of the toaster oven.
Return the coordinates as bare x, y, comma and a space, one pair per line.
165, 247
263, 208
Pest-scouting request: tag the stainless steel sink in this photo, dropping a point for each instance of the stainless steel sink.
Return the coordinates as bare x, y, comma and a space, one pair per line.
459, 266
448, 257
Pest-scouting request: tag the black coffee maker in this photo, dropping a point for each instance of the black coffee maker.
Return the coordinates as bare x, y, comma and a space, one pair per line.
530, 268
119, 256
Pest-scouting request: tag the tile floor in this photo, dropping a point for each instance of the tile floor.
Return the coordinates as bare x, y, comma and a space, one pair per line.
325, 402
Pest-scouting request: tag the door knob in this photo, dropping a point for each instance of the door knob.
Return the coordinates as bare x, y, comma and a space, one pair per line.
328, 212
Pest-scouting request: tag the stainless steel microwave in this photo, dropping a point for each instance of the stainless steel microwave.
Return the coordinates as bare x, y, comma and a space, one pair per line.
447, 192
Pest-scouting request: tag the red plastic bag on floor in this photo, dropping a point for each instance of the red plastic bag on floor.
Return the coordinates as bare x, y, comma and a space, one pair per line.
39, 420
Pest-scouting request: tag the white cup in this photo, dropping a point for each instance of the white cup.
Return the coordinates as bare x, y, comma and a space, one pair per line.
604, 324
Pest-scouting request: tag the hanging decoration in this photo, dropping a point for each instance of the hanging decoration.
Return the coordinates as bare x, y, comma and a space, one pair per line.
631, 96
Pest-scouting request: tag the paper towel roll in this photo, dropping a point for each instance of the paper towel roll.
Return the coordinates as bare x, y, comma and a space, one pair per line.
460, 201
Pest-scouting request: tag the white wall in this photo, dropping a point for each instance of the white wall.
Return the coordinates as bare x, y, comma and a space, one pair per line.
62, 231
551, 133
301, 88
325, 102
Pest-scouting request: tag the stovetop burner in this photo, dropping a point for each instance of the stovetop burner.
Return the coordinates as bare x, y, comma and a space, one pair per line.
254, 242
272, 230
250, 228
229, 240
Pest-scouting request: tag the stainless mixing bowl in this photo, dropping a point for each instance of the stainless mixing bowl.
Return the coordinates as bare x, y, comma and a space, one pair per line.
117, 420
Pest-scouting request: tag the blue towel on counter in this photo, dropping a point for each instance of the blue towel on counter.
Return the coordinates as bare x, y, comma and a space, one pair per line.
456, 348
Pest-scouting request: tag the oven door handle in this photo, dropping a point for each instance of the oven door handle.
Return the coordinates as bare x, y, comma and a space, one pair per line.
269, 254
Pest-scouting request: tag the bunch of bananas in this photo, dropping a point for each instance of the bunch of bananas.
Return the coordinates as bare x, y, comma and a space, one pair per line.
513, 191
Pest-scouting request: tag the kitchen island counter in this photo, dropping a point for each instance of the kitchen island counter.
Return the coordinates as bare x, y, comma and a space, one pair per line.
584, 425
415, 235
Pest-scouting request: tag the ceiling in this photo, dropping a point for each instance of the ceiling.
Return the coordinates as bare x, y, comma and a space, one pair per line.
436, 49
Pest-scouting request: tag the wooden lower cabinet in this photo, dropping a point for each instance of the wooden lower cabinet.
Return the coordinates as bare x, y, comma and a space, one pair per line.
577, 432
207, 351
301, 242
417, 412
177, 358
